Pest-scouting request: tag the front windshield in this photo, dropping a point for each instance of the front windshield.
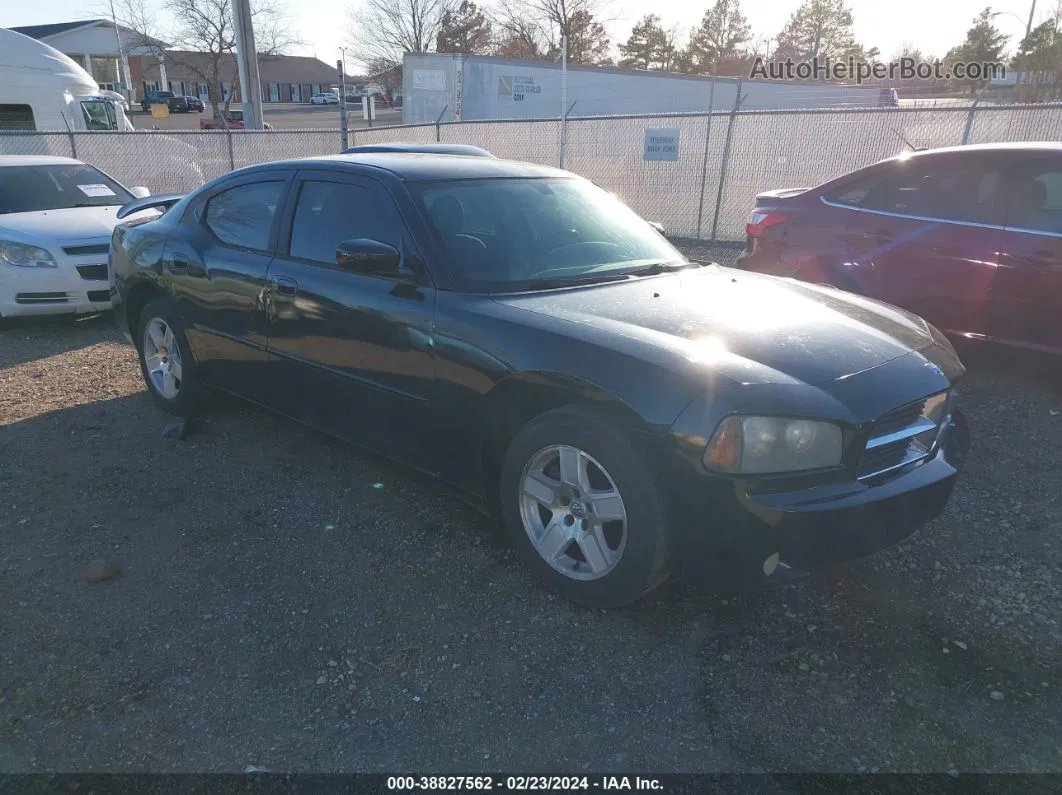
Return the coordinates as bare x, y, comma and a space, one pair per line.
513, 233
99, 114
25, 189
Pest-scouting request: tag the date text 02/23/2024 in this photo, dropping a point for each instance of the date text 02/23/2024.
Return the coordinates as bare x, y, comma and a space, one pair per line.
522, 783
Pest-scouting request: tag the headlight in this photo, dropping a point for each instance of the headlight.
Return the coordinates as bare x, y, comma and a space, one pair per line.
761, 445
23, 256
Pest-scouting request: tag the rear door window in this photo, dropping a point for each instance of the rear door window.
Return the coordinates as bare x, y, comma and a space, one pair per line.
243, 216
1034, 197
950, 189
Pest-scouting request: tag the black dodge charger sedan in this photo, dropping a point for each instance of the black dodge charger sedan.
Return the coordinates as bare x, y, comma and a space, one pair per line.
521, 334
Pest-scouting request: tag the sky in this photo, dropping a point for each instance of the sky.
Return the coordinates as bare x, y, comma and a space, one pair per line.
932, 26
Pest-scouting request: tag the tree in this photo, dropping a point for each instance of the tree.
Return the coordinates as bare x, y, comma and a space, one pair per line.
819, 29
588, 42
385, 30
539, 26
521, 35
1039, 63
984, 43
202, 37
723, 35
649, 46
464, 29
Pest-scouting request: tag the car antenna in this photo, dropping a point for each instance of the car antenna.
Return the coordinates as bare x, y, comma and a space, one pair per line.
910, 146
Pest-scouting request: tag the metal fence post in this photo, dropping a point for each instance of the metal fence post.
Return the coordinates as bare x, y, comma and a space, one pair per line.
70, 132
704, 165
726, 160
969, 121
232, 155
438, 121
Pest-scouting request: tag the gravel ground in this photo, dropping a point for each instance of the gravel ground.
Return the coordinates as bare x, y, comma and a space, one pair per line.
258, 594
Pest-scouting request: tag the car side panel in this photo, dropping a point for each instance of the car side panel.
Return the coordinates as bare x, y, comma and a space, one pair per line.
486, 356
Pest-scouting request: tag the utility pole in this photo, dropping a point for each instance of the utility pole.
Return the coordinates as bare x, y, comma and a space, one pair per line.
123, 63
564, 98
247, 60
341, 66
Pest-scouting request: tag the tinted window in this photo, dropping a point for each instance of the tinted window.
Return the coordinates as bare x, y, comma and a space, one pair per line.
1034, 198
500, 233
952, 189
243, 216
59, 187
327, 213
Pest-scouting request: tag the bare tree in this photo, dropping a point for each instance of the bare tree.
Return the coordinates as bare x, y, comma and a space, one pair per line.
539, 26
385, 30
520, 34
202, 38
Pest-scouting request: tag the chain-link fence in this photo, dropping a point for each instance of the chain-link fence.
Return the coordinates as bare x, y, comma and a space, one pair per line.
705, 191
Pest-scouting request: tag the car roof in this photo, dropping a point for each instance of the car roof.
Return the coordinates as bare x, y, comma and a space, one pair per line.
1012, 146
427, 148
37, 160
425, 167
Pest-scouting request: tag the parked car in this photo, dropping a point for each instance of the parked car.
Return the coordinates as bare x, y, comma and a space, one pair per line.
888, 98
195, 103
233, 120
56, 218
326, 98
429, 148
518, 332
968, 237
175, 103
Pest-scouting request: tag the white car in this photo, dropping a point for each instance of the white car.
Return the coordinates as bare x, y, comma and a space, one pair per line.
324, 99
56, 219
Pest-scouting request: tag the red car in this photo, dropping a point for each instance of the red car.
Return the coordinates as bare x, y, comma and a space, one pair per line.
968, 237
234, 120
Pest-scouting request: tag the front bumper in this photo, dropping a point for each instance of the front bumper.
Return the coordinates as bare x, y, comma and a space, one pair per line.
53, 291
758, 537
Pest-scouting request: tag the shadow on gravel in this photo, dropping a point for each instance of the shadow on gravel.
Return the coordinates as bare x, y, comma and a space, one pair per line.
28, 339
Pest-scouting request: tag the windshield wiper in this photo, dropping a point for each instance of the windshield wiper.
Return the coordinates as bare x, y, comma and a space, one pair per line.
659, 267
571, 281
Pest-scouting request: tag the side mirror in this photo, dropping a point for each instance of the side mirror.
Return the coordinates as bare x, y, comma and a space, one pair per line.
140, 192
369, 257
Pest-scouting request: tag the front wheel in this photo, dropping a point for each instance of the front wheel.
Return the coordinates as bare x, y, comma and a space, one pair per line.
166, 362
583, 510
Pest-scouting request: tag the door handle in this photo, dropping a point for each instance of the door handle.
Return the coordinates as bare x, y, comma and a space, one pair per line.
282, 285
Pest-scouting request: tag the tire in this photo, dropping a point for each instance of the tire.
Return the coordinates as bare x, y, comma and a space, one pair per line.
187, 398
639, 556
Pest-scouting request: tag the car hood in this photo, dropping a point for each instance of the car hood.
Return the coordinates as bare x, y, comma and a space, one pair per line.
60, 226
756, 328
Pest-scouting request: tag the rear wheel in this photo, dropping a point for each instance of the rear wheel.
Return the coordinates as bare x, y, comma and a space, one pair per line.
166, 362
583, 511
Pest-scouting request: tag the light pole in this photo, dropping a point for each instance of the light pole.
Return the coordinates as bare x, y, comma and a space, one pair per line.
1028, 23
123, 63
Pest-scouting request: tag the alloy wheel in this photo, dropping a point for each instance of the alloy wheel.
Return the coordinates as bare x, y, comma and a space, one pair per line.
573, 512
162, 358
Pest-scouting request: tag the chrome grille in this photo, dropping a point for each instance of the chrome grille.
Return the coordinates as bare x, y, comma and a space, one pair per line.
904, 435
